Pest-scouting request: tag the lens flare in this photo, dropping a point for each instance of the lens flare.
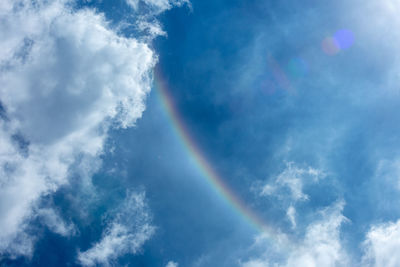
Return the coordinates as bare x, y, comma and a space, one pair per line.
330, 46
342, 40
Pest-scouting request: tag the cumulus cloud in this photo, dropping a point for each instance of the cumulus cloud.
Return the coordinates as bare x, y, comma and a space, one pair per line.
126, 233
67, 78
321, 245
382, 245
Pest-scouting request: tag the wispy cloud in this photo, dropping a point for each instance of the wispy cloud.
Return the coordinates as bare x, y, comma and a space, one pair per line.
55, 223
126, 233
289, 183
288, 188
291, 214
158, 5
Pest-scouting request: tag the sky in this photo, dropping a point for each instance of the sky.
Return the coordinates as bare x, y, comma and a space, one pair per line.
174, 133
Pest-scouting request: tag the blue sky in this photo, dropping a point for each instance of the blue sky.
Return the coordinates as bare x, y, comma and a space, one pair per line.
293, 105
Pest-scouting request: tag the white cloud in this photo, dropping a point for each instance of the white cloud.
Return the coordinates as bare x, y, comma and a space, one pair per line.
382, 245
321, 245
291, 181
66, 78
172, 264
126, 233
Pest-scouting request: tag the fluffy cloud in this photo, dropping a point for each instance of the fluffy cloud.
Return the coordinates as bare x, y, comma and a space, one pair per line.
126, 233
66, 78
321, 245
382, 245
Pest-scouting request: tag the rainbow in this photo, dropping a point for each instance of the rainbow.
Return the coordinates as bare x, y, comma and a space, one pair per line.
207, 171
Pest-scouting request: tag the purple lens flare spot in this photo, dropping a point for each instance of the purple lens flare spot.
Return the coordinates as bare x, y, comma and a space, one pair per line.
344, 38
